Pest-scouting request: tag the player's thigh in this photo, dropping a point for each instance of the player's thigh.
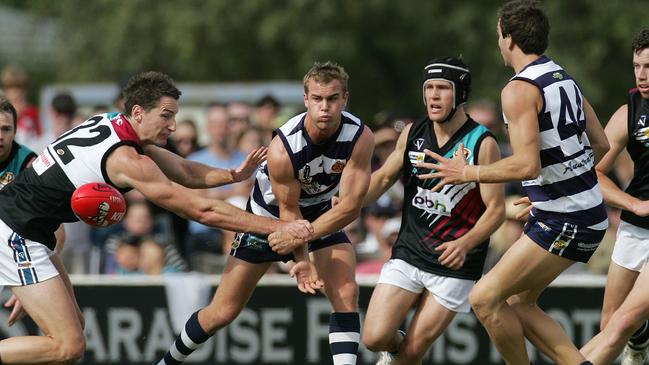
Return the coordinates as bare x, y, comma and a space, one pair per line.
619, 282
52, 308
525, 266
430, 320
636, 304
238, 281
387, 310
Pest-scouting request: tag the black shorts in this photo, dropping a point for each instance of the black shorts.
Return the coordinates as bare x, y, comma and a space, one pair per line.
255, 249
564, 239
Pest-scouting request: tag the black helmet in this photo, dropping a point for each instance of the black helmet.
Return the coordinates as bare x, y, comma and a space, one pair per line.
453, 70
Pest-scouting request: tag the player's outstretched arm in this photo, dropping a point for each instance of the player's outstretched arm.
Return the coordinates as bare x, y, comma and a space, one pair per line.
197, 175
127, 168
287, 189
354, 183
383, 178
521, 103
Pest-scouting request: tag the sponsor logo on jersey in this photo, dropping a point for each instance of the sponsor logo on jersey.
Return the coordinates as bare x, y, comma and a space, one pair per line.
432, 203
641, 132
41, 163
557, 75
467, 153
6, 178
419, 143
416, 157
338, 166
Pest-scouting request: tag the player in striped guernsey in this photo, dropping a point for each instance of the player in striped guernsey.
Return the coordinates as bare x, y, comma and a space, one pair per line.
122, 150
315, 155
556, 141
442, 245
626, 298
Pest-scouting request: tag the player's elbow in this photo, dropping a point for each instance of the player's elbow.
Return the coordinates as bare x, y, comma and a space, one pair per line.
531, 170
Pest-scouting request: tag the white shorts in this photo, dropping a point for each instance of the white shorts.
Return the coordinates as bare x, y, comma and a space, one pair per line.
631, 249
452, 293
23, 261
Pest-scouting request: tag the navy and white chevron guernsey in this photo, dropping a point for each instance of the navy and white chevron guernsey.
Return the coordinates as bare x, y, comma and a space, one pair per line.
318, 167
567, 185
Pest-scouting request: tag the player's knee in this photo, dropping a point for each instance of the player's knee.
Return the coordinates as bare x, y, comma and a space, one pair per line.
344, 298
375, 341
482, 300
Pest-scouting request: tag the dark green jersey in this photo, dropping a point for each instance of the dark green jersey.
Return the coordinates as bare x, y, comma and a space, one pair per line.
638, 147
18, 159
430, 219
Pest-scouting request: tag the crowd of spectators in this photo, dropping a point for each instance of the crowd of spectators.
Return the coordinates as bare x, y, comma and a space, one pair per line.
153, 241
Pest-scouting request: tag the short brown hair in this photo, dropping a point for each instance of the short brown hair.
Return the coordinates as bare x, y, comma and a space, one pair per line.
527, 24
641, 41
325, 73
145, 89
7, 107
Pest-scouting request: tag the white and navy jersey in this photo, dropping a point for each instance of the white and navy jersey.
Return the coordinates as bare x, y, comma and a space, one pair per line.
567, 185
38, 200
317, 167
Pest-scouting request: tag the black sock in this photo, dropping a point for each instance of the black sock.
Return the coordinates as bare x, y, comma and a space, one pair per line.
191, 337
640, 336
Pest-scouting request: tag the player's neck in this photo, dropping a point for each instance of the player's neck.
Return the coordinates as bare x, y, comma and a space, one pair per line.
520, 60
444, 131
320, 132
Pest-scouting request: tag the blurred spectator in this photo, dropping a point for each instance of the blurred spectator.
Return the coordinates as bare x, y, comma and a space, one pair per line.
153, 259
484, 111
264, 115
374, 218
385, 139
29, 131
185, 137
62, 112
386, 239
126, 256
250, 139
220, 152
238, 117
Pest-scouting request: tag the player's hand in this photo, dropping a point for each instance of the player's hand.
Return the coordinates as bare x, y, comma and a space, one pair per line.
284, 242
17, 310
454, 254
640, 208
250, 164
523, 214
307, 277
449, 171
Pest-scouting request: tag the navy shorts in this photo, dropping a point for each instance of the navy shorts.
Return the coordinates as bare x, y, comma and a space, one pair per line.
255, 249
564, 239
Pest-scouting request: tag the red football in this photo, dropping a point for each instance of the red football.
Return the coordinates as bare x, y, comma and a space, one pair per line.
98, 204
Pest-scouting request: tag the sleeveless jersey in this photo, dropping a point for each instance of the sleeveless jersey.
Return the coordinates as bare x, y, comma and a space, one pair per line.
39, 198
430, 219
638, 147
317, 167
567, 186
15, 163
